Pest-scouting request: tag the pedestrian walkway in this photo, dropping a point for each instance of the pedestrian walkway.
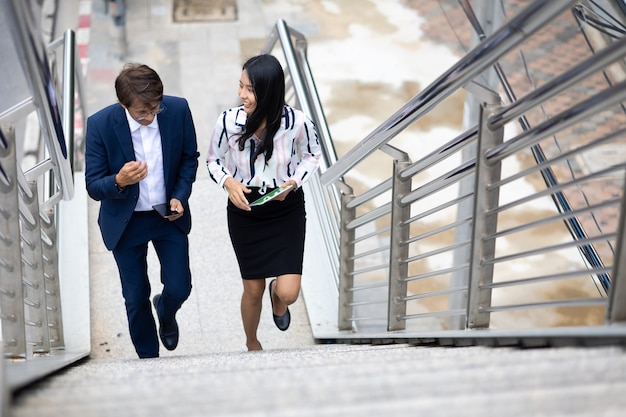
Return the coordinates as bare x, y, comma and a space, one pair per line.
342, 381
200, 61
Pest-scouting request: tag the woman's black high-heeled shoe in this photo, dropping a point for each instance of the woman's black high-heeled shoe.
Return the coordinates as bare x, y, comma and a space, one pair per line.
282, 322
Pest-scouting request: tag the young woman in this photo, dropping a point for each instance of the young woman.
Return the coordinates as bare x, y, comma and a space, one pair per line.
256, 148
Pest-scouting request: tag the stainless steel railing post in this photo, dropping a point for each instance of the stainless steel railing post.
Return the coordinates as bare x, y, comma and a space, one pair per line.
34, 286
11, 298
484, 224
51, 279
346, 264
398, 248
616, 309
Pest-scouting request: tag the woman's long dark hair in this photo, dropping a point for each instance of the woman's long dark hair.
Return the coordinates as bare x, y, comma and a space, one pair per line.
268, 81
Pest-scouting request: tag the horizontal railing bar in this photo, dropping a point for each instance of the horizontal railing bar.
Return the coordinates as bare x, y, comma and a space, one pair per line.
552, 88
551, 219
369, 235
447, 313
599, 102
55, 43
18, 112
355, 319
540, 166
434, 294
439, 183
369, 217
370, 194
51, 201
372, 286
437, 231
369, 269
558, 187
437, 251
366, 303
369, 252
39, 169
437, 209
545, 278
450, 148
546, 304
552, 248
437, 273
553, 189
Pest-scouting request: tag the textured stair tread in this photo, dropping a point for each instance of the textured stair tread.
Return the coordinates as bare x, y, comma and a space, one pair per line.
342, 380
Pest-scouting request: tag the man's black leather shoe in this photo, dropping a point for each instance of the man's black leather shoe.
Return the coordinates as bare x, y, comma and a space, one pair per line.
168, 333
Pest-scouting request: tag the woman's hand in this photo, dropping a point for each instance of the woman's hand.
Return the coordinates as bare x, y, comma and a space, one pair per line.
282, 196
236, 193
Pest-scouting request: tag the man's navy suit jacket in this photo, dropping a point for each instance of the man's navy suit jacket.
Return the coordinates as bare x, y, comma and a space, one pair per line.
109, 146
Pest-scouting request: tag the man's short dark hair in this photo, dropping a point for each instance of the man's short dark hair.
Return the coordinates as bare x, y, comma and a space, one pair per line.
138, 81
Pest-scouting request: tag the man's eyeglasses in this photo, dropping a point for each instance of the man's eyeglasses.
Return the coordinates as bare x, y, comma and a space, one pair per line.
144, 114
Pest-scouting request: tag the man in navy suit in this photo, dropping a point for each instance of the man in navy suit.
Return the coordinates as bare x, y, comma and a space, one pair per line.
141, 152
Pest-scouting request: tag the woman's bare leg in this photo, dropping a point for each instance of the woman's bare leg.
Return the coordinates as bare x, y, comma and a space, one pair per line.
251, 304
285, 292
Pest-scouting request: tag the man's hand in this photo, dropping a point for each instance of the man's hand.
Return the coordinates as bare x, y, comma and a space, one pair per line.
176, 207
131, 173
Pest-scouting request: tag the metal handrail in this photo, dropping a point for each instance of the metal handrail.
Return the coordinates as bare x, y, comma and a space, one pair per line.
30, 198
35, 65
372, 216
294, 47
466, 69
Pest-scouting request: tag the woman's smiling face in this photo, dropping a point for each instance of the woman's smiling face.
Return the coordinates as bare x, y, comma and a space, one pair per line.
246, 93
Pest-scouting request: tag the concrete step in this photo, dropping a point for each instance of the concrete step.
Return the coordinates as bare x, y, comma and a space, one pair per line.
341, 380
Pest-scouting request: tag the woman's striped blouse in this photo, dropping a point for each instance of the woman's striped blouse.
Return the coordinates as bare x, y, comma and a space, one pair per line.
295, 157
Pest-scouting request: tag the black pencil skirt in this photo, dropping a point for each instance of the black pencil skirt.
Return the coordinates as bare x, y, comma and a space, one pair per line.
269, 240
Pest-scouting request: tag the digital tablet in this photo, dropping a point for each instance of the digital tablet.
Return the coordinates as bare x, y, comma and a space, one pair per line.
164, 210
270, 196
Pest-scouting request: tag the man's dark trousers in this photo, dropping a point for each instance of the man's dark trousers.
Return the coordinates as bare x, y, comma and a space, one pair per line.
171, 246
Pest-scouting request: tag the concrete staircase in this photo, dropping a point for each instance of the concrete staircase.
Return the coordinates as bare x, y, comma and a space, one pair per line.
210, 374
341, 380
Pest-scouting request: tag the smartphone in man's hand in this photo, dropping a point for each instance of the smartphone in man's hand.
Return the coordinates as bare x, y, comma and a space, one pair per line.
164, 210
